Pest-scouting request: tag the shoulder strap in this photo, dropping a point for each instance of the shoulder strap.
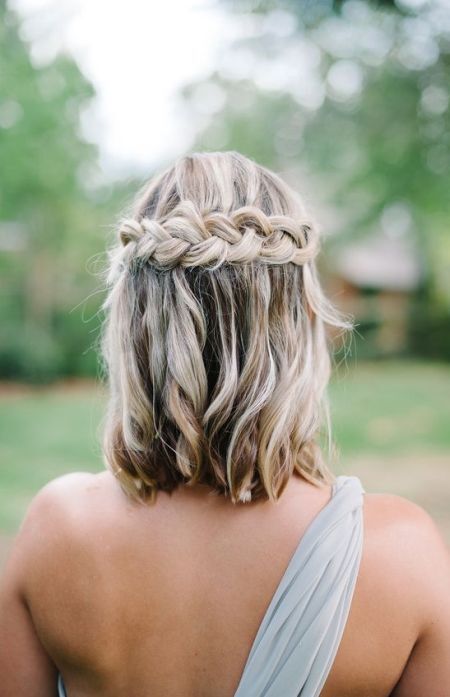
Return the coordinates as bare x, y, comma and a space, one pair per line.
61, 688
299, 636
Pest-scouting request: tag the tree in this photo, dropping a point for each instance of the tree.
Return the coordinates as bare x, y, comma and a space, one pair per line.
353, 98
50, 216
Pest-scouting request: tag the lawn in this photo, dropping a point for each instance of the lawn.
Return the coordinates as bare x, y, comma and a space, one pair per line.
392, 408
391, 423
45, 432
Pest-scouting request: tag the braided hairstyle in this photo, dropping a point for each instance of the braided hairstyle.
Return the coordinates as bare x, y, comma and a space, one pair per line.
189, 238
214, 340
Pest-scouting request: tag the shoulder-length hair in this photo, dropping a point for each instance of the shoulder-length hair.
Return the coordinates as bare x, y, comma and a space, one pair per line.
214, 335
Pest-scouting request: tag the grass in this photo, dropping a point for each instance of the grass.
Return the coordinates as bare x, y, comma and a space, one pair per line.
44, 433
389, 413
391, 408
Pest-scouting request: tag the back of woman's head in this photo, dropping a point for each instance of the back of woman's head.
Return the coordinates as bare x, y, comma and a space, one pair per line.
214, 336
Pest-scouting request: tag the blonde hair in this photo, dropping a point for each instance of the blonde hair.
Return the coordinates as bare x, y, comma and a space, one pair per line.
214, 339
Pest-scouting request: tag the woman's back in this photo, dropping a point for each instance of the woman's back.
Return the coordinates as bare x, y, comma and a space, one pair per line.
217, 357
167, 600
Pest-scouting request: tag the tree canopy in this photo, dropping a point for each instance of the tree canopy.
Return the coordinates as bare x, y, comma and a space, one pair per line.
354, 97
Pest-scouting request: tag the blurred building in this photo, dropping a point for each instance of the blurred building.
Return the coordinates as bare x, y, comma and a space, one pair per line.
374, 280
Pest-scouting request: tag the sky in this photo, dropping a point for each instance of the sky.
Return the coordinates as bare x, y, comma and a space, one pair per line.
137, 54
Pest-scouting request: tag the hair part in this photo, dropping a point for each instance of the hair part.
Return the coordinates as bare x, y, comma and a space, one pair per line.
214, 339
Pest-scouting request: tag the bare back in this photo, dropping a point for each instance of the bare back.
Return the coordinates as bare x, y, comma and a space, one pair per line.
133, 599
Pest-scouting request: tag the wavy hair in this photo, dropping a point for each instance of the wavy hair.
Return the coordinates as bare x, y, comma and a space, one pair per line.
214, 336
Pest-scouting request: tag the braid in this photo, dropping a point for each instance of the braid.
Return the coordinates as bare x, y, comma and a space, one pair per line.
186, 237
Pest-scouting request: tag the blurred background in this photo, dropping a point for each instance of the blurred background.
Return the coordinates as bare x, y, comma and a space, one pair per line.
349, 101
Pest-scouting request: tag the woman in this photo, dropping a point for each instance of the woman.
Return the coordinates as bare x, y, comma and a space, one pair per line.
218, 555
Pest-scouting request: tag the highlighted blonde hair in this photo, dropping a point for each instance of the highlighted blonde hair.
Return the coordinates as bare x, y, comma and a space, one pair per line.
214, 338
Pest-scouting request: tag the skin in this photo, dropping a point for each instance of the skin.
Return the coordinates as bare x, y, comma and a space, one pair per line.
131, 599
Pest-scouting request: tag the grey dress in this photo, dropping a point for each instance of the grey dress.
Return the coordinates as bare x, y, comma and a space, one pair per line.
299, 636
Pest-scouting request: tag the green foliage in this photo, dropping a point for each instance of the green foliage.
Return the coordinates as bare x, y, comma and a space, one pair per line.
39, 139
378, 147
52, 218
309, 11
354, 103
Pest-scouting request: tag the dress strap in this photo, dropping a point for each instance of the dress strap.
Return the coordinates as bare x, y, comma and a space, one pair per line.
299, 636
61, 688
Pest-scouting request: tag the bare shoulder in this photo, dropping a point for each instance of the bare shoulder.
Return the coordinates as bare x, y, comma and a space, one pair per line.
60, 516
69, 499
402, 537
61, 494
403, 595
410, 562
397, 518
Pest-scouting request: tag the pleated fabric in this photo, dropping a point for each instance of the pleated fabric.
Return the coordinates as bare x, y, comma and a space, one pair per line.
299, 636
61, 688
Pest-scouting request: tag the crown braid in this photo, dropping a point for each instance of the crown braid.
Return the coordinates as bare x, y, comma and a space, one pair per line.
186, 237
